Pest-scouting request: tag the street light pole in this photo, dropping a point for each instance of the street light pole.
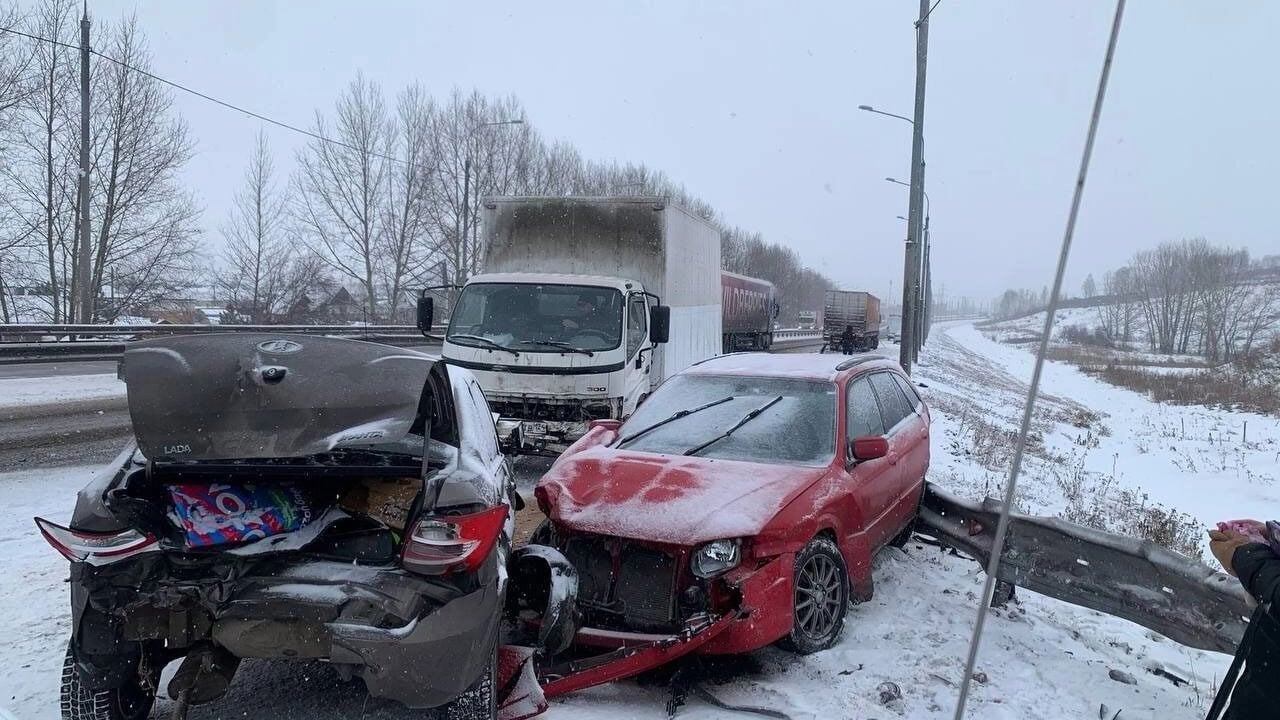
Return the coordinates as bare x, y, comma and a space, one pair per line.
911, 271
923, 296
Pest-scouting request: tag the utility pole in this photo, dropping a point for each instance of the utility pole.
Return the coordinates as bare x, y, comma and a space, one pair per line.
911, 267
927, 292
84, 293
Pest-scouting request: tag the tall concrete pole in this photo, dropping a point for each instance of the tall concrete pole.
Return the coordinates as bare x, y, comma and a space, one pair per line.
83, 269
84, 291
915, 219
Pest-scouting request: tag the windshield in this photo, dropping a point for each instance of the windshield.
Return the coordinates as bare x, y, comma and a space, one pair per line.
798, 429
538, 318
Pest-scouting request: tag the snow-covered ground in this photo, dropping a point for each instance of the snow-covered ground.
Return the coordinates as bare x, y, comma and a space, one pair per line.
1041, 658
16, 392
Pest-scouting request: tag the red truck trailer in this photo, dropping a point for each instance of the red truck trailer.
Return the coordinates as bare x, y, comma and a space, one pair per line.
747, 309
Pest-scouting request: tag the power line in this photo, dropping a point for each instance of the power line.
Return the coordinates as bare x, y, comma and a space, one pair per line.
210, 98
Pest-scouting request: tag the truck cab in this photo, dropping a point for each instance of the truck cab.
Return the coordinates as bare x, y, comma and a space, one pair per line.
555, 351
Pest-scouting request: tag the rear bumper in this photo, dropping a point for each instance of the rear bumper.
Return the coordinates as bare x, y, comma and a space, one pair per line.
430, 661
413, 639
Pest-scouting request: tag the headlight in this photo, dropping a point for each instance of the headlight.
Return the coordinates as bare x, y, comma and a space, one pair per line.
716, 557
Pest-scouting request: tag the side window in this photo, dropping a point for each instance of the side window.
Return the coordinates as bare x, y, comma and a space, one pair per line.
637, 324
863, 412
892, 403
485, 434
913, 398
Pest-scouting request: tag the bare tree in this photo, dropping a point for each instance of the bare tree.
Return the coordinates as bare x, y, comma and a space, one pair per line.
146, 221
39, 171
341, 187
406, 212
1089, 287
260, 265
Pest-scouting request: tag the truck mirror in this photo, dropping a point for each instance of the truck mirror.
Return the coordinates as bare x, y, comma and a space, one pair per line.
659, 323
426, 313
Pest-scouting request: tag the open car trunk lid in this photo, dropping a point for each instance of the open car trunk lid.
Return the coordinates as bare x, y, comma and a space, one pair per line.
261, 395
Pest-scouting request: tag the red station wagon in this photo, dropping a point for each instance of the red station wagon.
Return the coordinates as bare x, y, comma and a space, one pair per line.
750, 491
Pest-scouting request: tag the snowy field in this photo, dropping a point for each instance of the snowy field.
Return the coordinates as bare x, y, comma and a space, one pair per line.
1041, 658
16, 392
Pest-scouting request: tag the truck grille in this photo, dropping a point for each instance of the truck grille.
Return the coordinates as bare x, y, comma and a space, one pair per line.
537, 410
641, 592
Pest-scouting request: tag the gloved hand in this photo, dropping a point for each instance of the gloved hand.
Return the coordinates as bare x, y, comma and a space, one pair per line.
1223, 545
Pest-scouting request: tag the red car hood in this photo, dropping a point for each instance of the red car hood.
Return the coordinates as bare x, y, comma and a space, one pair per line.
669, 499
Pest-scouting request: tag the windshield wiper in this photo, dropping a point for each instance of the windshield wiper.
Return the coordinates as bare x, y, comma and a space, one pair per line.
745, 419
557, 344
486, 341
671, 418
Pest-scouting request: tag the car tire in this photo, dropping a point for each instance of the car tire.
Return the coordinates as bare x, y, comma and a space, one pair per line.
820, 598
131, 702
480, 701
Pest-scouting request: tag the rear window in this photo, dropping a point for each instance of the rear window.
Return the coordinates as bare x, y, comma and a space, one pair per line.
795, 426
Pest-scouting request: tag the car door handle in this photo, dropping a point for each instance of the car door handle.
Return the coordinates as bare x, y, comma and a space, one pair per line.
893, 458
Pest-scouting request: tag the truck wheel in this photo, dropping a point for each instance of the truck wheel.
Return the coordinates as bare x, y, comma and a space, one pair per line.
480, 701
820, 598
132, 701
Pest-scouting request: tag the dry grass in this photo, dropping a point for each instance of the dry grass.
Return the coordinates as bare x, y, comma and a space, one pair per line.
1213, 388
1104, 506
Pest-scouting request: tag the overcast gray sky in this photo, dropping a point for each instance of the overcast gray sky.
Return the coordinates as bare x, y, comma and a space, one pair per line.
753, 105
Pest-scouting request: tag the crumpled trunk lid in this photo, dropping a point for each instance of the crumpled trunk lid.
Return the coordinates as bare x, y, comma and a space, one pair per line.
260, 395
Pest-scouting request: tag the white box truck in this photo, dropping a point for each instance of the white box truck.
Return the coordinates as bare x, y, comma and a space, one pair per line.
584, 306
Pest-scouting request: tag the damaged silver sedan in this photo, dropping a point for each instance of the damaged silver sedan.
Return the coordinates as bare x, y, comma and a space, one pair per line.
296, 497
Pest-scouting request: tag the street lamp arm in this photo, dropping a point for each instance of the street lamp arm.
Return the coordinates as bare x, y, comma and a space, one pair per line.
870, 109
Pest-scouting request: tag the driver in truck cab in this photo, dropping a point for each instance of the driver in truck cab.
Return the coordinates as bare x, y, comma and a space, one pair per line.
587, 316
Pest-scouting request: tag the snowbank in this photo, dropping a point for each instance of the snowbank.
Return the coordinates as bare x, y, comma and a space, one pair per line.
16, 392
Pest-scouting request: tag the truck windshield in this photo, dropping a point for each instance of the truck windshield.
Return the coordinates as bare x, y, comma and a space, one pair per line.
798, 427
538, 318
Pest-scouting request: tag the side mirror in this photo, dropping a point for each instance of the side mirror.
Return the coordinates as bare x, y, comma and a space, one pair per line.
659, 324
870, 447
426, 312
777, 309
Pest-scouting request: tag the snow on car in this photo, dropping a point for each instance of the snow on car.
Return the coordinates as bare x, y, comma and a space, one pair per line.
749, 492
299, 498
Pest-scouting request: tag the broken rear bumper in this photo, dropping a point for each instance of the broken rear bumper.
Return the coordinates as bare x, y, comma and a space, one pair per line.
413, 639
430, 661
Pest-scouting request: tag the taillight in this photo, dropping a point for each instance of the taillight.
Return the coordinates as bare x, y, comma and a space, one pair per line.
95, 548
440, 545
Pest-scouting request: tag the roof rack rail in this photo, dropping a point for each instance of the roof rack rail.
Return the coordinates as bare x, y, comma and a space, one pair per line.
722, 355
856, 361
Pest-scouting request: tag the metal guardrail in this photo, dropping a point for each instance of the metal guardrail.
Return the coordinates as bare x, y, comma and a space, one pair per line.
32, 343
796, 334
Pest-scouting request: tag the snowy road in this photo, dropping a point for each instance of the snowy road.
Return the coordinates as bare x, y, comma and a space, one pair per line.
1041, 659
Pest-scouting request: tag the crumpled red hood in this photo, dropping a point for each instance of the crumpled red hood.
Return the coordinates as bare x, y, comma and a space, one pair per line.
669, 499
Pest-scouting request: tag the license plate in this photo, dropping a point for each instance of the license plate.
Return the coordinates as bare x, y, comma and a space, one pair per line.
535, 428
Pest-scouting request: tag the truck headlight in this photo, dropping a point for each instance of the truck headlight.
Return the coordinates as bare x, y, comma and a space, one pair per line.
716, 557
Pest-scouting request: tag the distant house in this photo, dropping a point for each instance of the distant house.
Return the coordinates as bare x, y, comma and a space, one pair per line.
339, 308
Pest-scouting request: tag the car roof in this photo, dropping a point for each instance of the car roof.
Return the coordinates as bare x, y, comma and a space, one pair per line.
810, 366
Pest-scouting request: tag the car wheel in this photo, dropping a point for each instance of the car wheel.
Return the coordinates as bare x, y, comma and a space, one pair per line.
132, 701
480, 701
820, 597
